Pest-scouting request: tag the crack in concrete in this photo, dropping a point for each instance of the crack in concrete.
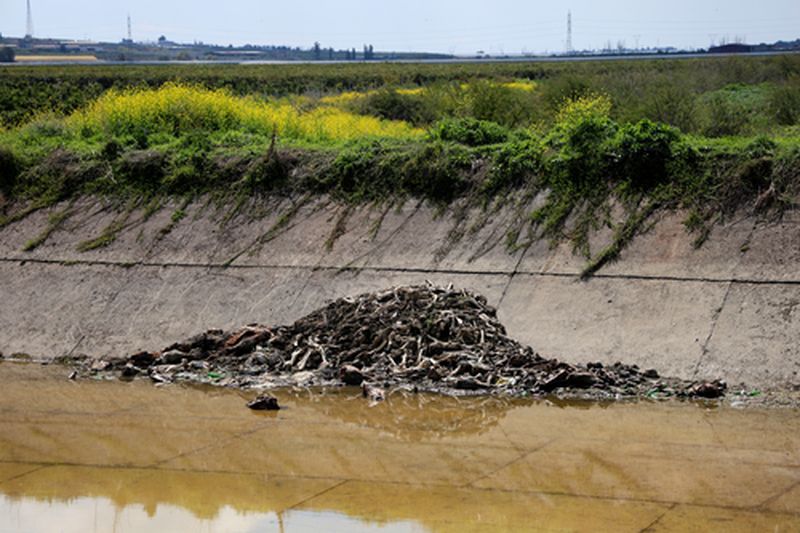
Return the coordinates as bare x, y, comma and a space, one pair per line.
772, 499
67, 263
283, 224
341, 481
714, 322
18, 476
721, 309
513, 274
317, 495
652, 524
522, 457
377, 246
306, 282
214, 445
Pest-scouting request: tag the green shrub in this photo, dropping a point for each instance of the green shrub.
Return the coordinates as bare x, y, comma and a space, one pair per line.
9, 169
724, 116
392, 105
514, 163
643, 152
61, 174
7, 54
182, 178
188, 171
558, 91
436, 171
357, 172
269, 172
446, 99
142, 168
672, 104
755, 175
375, 170
786, 172
761, 147
46, 126
784, 102
499, 103
111, 150
580, 140
470, 131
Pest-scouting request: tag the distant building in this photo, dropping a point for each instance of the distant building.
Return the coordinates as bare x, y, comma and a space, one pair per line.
734, 48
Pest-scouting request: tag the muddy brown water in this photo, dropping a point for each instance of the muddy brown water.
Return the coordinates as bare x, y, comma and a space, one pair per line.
112, 456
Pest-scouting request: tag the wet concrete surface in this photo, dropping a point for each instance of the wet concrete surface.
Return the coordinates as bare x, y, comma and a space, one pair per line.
113, 456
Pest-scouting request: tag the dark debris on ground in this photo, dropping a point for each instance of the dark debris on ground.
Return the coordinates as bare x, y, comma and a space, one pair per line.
420, 338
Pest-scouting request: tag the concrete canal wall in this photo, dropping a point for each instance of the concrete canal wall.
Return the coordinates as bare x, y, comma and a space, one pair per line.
729, 309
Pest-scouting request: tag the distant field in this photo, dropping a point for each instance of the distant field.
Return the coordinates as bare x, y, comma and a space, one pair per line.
692, 94
54, 58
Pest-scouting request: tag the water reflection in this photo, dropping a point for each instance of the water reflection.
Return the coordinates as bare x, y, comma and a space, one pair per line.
101, 515
112, 456
415, 417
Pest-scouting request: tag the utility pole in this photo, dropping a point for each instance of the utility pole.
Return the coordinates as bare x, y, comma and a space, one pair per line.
569, 32
29, 24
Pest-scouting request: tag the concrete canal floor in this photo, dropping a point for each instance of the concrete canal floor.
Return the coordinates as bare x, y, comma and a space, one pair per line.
111, 456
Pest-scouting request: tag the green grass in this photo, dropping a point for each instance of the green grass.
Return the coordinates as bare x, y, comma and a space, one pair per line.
709, 136
53, 224
655, 89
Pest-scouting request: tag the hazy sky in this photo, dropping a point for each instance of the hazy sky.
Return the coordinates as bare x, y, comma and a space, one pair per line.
454, 26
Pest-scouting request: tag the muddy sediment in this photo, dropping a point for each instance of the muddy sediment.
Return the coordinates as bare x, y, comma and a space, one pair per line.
419, 338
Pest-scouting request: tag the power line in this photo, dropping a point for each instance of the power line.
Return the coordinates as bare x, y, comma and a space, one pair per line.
29, 23
569, 32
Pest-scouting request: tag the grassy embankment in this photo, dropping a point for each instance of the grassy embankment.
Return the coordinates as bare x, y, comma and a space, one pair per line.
710, 136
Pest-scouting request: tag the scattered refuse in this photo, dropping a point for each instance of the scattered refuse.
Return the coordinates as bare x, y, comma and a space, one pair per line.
708, 389
265, 402
418, 338
372, 393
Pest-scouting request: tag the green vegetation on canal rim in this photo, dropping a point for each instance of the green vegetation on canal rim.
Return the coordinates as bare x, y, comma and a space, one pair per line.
569, 144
